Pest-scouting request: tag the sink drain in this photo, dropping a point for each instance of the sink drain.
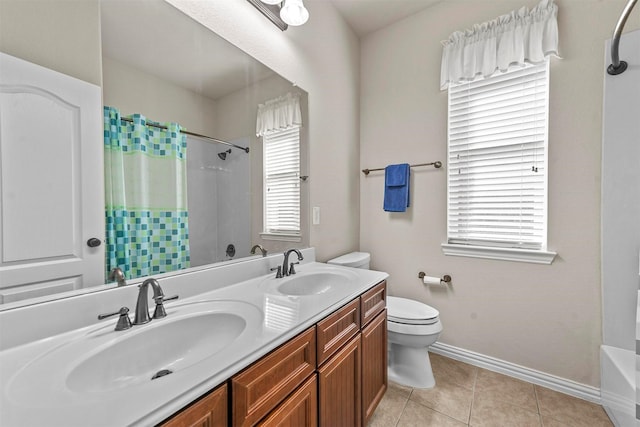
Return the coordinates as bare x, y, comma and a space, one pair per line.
162, 373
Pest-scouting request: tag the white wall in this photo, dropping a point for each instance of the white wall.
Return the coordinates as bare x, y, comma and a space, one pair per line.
322, 58
546, 318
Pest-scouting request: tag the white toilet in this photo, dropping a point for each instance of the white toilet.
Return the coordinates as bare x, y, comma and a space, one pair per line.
412, 327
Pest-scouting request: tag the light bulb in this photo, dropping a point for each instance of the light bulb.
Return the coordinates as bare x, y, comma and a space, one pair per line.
294, 13
271, 1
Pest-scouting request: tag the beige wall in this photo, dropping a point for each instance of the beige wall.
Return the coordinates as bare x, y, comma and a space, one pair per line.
546, 318
322, 57
62, 35
134, 91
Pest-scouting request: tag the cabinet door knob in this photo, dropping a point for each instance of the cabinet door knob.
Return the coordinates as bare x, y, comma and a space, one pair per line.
94, 242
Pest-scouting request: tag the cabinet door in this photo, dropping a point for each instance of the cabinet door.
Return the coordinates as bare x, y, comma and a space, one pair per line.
51, 182
298, 410
374, 364
211, 411
339, 388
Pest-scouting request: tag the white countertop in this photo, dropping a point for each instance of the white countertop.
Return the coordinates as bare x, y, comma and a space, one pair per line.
49, 400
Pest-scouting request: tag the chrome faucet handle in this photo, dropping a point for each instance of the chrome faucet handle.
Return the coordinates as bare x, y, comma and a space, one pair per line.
291, 269
279, 272
160, 312
123, 321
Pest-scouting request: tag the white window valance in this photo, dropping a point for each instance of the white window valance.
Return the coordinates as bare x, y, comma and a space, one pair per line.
520, 37
279, 114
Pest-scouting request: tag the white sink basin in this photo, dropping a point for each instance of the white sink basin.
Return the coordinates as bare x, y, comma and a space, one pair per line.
164, 349
313, 282
104, 360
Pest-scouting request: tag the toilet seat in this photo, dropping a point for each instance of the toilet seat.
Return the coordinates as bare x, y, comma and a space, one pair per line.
410, 312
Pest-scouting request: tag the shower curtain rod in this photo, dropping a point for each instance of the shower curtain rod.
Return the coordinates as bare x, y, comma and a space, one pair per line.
617, 66
219, 141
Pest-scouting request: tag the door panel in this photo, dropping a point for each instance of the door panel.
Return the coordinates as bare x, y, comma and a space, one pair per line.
51, 181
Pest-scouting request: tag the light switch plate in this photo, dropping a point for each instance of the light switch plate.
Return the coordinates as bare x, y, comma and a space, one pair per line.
316, 215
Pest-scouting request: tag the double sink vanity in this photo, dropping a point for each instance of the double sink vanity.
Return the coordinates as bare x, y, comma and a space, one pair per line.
239, 347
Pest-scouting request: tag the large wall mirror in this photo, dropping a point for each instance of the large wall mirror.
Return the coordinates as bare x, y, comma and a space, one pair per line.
159, 64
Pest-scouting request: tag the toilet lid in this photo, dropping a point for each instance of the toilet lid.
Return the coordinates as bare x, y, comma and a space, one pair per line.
403, 310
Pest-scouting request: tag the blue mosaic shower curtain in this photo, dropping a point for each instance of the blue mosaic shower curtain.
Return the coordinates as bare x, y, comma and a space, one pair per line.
146, 196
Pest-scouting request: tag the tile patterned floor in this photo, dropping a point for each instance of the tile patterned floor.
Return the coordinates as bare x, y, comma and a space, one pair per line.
465, 395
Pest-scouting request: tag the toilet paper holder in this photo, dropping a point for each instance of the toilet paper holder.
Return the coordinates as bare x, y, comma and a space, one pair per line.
446, 278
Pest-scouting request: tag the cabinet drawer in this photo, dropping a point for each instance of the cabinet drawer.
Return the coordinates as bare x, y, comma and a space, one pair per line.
266, 383
334, 331
373, 302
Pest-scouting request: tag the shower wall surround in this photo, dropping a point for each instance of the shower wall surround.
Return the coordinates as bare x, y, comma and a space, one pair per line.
219, 199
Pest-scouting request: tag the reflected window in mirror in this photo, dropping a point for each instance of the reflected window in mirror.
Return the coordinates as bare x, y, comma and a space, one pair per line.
278, 123
282, 182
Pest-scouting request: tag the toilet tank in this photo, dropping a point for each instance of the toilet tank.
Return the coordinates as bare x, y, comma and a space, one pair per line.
353, 259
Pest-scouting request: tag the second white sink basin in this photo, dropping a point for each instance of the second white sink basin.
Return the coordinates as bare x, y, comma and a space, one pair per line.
307, 283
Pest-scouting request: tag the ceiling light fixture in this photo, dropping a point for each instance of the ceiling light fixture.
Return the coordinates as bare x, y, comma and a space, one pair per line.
293, 12
271, 11
271, 1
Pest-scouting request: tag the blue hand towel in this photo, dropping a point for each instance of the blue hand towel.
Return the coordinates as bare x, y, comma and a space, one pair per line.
396, 187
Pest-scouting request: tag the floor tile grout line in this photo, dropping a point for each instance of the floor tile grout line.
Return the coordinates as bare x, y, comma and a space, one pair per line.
403, 409
473, 394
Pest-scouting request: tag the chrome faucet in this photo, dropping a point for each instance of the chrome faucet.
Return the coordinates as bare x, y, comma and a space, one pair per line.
142, 305
289, 270
263, 250
117, 275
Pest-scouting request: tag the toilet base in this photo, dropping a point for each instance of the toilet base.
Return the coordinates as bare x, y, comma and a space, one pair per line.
410, 366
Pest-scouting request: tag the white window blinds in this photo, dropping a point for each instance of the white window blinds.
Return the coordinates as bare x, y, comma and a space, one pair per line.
497, 175
282, 181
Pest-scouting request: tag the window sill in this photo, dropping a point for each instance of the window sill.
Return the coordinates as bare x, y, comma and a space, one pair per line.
281, 237
503, 254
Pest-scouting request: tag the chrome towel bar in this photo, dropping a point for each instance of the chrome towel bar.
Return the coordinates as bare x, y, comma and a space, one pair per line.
437, 165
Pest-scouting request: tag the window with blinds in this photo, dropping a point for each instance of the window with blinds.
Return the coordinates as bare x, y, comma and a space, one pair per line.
282, 182
497, 172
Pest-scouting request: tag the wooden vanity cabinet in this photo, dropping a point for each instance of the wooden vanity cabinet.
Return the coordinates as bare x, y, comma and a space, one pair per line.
352, 377
209, 411
333, 374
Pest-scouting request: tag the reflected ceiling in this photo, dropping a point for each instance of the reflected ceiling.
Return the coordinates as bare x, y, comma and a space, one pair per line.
213, 76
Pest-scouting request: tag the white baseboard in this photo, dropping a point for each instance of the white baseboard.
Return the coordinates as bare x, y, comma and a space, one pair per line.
572, 388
